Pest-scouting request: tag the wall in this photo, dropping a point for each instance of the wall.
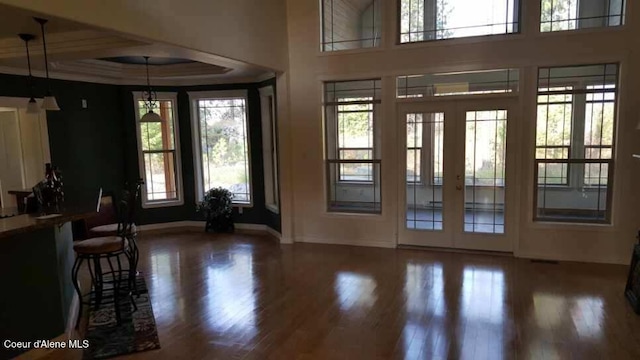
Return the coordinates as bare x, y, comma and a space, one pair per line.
86, 144
526, 51
245, 30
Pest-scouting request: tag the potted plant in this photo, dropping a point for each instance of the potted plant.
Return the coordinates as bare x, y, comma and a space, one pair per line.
216, 207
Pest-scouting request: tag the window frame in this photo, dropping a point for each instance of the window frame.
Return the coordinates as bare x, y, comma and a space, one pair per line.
577, 146
570, 87
398, 27
270, 146
379, 46
150, 204
330, 132
339, 149
194, 98
623, 16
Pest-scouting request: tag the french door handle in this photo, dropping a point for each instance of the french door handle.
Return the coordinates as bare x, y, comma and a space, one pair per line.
458, 187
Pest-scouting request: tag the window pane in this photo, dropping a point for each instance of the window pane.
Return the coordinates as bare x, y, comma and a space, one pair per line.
424, 194
559, 15
423, 20
464, 83
224, 141
350, 24
160, 176
157, 142
485, 155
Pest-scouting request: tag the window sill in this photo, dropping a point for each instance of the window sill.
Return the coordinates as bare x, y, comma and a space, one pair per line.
242, 205
355, 183
351, 51
570, 226
458, 41
162, 204
584, 31
273, 208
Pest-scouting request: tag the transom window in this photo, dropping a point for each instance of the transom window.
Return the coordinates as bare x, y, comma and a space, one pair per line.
350, 24
221, 143
425, 20
559, 15
158, 153
575, 142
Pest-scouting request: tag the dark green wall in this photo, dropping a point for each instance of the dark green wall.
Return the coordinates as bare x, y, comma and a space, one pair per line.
96, 147
86, 144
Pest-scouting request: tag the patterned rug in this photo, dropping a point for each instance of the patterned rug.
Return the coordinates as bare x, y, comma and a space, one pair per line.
136, 332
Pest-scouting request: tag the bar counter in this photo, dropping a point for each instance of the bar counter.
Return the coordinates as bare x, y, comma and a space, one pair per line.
36, 257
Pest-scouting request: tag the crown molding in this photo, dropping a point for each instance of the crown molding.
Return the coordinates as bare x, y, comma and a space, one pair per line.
231, 77
66, 43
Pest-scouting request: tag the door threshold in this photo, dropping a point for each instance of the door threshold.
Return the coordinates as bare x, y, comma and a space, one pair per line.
454, 250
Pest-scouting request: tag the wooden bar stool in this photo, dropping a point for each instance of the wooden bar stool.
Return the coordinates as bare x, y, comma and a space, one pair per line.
109, 248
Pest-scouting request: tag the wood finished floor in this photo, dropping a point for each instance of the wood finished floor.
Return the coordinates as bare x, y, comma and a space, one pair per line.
246, 297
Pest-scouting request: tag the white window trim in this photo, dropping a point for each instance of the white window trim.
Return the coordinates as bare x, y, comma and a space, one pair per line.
194, 97
150, 204
268, 95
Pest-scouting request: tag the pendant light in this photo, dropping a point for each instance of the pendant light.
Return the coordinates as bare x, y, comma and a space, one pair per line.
150, 99
32, 105
50, 103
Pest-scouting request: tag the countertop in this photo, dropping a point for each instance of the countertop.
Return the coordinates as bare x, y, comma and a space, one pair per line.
28, 222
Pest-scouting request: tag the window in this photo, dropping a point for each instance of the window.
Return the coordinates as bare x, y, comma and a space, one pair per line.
575, 142
221, 143
158, 152
425, 141
353, 165
269, 148
553, 134
462, 83
425, 20
350, 24
559, 15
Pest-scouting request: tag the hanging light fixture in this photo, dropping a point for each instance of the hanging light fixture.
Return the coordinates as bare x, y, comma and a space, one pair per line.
150, 99
50, 103
32, 105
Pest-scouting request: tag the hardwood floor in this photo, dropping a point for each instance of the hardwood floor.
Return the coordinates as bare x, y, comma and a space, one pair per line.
246, 297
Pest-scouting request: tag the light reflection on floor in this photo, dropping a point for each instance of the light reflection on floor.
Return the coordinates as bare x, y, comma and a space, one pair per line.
239, 296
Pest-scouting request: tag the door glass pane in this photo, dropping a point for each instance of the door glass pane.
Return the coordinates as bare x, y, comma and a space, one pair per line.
424, 153
485, 155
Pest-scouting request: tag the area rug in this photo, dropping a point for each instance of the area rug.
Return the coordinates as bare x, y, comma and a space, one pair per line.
136, 332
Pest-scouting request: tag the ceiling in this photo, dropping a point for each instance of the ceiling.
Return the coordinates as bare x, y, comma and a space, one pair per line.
14, 21
79, 52
139, 60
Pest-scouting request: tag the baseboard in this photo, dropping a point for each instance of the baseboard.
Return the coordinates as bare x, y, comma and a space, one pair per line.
352, 242
200, 225
560, 257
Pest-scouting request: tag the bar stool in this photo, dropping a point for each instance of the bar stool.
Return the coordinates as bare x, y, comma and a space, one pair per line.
94, 250
131, 233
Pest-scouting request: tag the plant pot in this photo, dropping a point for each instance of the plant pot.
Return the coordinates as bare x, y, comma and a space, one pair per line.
219, 224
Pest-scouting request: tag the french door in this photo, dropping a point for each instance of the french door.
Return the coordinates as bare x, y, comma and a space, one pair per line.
456, 189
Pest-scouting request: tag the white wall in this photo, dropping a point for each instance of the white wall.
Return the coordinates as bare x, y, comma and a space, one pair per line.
11, 172
526, 51
245, 30
24, 148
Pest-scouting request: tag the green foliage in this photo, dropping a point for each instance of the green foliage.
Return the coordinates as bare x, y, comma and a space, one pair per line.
556, 11
412, 20
216, 203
